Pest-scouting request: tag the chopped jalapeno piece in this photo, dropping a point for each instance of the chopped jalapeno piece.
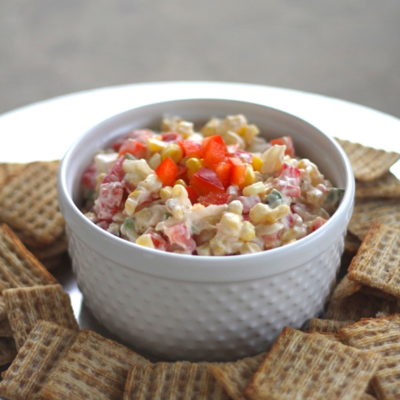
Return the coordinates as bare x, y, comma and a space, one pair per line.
128, 224
333, 198
129, 156
274, 198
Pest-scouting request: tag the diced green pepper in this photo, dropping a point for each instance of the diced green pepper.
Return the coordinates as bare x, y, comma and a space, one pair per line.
274, 198
128, 224
333, 198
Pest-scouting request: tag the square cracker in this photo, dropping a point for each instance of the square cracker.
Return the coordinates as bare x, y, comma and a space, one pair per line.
366, 212
377, 262
5, 329
27, 305
29, 203
313, 367
93, 368
349, 302
18, 267
44, 347
386, 186
234, 376
7, 350
8, 170
382, 336
326, 325
368, 163
170, 381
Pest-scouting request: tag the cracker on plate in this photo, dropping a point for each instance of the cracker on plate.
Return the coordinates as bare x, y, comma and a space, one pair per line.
368, 163
7, 350
18, 267
27, 305
377, 262
382, 336
313, 367
8, 170
350, 303
29, 203
326, 325
93, 368
385, 186
234, 376
366, 212
44, 347
5, 329
170, 381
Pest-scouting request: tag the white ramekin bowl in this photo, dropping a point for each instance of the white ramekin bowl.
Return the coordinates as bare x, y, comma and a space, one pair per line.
196, 307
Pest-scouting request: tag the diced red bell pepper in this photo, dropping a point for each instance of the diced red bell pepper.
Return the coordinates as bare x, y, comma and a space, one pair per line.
287, 141
179, 235
116, 172
190, 148
223, 171
191, 194
238, 172
167, 171
214, 150
182, 171
317, 223
213, 198
205, 180
134, 147
158, 241
110, 200
170, 136
89, 176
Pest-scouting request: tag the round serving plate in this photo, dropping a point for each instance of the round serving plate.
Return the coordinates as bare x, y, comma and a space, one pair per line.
45, 130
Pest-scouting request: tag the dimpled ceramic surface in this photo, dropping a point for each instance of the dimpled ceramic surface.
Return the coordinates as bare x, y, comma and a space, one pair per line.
174, 319
204, 308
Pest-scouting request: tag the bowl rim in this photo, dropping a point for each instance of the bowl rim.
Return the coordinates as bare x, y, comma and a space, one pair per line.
67, 203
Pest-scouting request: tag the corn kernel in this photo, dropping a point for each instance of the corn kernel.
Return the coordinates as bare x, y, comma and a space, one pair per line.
232, 222
257, 163
180, 182
263, 214
155, 160
257, 188
249, 247
178, 191
235, 207
166, 193
172, 151
193, 164
156, 145
145, 240
247, 232
249, 176
203, 250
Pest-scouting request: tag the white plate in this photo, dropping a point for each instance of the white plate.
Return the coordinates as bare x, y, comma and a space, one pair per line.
44, 130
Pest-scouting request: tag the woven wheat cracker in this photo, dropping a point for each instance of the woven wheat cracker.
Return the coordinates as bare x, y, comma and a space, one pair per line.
18, 267
382, 336
170, 381
29, 203
386, 186
7, 351
93, 368
326, 325
368, 163
25, 306
366, 212
44, 347
351, 243
310, 366
234, 376
377, 262
349, 303
58, 247
8, 170
5, 329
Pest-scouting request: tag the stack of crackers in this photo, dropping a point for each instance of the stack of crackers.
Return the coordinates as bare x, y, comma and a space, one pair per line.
351, 352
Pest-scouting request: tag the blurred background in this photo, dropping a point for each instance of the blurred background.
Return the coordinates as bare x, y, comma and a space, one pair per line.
347, 49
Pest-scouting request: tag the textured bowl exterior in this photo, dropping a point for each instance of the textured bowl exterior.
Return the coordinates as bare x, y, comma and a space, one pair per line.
174, 319
194, 307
